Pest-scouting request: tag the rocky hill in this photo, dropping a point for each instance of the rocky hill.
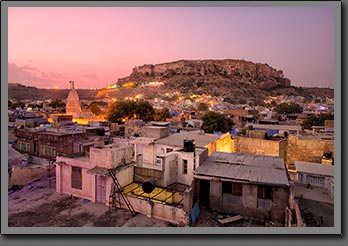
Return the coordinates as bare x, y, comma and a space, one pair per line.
191, 74
234, 80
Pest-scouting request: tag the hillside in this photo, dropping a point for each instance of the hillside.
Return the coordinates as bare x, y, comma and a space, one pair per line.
22, 92
234, 80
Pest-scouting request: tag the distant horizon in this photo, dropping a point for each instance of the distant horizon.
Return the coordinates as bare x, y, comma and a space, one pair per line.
84, 88
95, 46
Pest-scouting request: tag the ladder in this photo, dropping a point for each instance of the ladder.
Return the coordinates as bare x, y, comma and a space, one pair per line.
118, 190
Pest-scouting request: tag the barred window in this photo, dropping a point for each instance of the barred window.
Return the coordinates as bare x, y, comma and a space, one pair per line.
76, 178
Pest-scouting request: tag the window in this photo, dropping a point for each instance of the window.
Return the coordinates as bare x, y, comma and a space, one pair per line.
48, 151
232, 188
264, 192
23, 146
169, 150
237, 189
264, 196
227, 187
184, 166
76, 178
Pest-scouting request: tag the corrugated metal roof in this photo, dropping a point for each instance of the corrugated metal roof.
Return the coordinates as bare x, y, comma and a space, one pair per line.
177, 139
314, 168
245, 167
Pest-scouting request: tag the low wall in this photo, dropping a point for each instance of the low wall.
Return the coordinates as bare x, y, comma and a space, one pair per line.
24, 175
260, 146
175, 215
309, 150
141, 174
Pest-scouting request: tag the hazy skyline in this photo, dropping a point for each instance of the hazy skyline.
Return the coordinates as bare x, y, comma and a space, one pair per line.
94, 46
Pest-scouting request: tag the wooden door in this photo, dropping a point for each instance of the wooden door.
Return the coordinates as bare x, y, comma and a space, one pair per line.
100, 189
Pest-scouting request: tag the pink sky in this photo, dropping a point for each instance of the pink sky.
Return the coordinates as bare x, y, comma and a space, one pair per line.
95, 46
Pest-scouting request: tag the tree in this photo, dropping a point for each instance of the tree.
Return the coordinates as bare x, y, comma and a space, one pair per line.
162, 114
202, 107
57, 104
9, 105
95, 109
123, 110
288, 108
34, 105
18, 105
144, 110
317, 120
213, 121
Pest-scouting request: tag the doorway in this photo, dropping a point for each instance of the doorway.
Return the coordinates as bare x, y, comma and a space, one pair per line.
204, 193
100, 189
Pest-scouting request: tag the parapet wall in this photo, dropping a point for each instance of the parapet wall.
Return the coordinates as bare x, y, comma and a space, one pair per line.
175, 215
309, 150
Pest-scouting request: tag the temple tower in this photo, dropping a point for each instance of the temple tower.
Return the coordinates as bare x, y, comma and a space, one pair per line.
73, 102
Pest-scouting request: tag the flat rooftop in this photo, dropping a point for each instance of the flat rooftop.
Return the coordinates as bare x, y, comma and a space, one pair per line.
170, 195
314, 168
177, 139
245, 167
277, 127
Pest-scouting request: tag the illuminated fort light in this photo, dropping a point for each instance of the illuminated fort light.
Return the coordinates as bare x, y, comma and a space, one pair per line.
155, 83
56, 87
129, 84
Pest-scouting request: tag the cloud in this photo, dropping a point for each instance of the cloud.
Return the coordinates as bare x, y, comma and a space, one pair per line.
29, 75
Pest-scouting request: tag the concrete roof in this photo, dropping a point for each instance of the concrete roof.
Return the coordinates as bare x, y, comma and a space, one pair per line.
159, 123
314, 168
277, 127
245, 167
177, 139
143, 140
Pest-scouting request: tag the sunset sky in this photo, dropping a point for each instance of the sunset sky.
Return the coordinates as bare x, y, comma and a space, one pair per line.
48, 47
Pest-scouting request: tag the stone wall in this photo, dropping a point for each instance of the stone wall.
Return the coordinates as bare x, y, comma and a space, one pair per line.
309, 150
260, 146
224, 144
25, 175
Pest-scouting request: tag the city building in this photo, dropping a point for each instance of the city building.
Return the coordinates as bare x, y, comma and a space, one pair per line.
245, 184
315, 174
277, 129
47, 142
87, 176
30, 119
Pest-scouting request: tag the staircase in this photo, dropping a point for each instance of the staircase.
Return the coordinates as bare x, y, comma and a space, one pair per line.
117, 193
